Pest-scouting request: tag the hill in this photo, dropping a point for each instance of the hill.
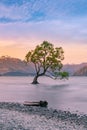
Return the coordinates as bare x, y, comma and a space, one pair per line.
13, 66
81, 72
73, 68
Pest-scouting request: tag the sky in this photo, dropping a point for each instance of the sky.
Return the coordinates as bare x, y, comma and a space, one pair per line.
27, 23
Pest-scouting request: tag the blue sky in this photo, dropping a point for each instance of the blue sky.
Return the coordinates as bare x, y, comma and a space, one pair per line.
26, 23
34, 10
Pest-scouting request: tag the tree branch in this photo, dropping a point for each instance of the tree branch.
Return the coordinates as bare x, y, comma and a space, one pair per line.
51, 77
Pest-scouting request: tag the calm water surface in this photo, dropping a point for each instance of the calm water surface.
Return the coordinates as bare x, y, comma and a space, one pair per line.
66, 95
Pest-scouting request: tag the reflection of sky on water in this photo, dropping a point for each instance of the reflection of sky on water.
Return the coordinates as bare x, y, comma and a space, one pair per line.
71, 93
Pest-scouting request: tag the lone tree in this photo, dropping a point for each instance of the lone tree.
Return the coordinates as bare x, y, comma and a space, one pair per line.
47, 61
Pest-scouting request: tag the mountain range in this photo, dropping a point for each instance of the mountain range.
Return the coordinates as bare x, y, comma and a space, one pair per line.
76, 69
81, 72
15, 67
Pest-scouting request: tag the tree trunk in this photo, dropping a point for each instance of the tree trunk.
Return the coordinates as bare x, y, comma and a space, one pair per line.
35, 80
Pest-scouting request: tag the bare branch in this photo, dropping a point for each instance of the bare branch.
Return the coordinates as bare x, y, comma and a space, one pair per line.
50, 76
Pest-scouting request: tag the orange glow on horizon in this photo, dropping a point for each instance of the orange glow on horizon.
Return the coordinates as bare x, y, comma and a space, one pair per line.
73, 53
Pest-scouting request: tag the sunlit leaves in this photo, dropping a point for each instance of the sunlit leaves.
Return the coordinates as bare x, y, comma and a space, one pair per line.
45, 57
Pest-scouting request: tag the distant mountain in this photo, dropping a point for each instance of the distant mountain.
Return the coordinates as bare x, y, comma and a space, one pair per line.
81, 72
72, 68
13, 66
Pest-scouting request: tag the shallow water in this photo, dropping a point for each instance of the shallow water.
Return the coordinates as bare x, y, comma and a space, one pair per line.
65, 94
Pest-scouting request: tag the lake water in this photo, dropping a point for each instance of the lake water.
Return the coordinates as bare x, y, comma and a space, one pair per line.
61, 94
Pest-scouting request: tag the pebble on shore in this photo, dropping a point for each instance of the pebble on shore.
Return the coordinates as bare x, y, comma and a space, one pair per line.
16, 116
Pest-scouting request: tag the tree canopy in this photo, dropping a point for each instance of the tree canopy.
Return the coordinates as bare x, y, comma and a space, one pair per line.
47, 60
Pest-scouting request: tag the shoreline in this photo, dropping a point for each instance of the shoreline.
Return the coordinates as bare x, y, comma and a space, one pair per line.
60, 120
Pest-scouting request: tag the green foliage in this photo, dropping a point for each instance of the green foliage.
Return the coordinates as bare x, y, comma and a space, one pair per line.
46, 59
64, 75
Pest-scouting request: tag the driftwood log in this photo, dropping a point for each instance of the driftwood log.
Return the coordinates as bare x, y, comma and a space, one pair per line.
40, 103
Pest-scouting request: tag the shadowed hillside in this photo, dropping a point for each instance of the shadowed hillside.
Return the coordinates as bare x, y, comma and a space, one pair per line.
73, 68
14, 66
81, 72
